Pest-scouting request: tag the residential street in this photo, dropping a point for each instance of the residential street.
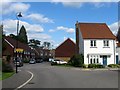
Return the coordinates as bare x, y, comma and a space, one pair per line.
47, 76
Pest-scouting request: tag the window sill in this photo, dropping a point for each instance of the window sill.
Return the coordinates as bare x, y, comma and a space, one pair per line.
93, 47
106, 47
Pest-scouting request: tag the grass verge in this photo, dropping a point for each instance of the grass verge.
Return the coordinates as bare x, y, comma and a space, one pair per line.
5, 75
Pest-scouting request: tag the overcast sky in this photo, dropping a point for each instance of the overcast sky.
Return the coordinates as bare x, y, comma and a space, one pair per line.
55, 21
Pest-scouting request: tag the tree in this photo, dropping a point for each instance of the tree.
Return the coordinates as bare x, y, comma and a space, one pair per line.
46, 45
34, 43
13, 36
118, 35
77, 60
23, 35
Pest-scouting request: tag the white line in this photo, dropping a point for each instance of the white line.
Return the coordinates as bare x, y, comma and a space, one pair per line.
26, 81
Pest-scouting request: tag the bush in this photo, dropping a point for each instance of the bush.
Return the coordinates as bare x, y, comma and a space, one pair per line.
95, 66
84, 65
26, 61
92, 66
77, 60
114, 65
99, 66
7, 67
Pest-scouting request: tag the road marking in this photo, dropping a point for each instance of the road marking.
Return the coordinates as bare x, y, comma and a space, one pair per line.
26, 81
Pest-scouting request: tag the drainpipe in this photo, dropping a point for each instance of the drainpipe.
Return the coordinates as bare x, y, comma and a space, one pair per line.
114, 51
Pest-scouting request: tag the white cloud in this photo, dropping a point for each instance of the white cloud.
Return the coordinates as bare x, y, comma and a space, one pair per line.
79, 3
62, 28
39, 18
51, 30
34, 31
114, 27
8, 7
10, 26
69, 30
72, 4
84, 0
65, 38
40, 36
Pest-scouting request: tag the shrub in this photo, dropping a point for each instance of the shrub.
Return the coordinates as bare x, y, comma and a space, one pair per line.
114, 65
92, 66
77, 60
99, 66
26, 61
7, 67
84, 65
95, 66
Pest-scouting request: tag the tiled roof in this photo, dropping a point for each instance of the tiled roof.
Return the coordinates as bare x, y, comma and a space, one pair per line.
95, 31
66, 49
20, 45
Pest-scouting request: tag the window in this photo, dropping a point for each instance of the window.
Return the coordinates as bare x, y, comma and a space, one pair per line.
91, 61
106, 43
93, 43
94, 60
97, 60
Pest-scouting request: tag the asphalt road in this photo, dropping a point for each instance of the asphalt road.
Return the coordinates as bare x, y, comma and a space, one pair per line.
47, 76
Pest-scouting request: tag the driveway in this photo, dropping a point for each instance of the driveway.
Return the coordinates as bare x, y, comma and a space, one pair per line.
47, 76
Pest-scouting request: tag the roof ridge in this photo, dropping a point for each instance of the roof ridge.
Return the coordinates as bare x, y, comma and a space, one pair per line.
65, 41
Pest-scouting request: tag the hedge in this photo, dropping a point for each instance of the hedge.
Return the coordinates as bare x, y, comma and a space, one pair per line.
114, 65
95, 66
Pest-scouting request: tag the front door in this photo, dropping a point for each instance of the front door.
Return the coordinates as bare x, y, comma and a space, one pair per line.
105, 60
117, 61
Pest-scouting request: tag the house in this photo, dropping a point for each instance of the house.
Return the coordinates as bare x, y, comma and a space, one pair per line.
23, 50
96, 42
66, 50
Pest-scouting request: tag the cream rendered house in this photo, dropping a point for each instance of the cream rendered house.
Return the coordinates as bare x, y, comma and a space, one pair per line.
96, 42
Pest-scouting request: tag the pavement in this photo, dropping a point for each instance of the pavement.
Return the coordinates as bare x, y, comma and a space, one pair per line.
16, 80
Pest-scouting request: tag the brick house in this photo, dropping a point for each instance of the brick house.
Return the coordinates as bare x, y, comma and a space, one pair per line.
65, 50
24, 51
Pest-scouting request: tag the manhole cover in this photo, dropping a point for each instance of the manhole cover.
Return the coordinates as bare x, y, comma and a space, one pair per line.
31, 83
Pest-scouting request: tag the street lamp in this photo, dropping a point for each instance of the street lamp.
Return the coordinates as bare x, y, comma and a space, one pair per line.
17, 16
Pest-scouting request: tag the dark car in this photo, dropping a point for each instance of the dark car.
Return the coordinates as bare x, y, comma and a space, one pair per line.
18, 62
32, 61
39, 60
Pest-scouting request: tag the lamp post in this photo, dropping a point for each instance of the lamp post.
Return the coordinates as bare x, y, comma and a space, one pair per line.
17, 16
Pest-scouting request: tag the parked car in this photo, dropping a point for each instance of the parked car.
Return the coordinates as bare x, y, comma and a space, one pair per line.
39, 60
19, 62
32, 61
57, 61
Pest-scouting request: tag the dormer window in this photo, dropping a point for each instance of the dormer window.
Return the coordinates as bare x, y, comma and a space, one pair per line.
93, 43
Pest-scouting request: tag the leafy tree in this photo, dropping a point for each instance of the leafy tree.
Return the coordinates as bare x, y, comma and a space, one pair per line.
77, 60
118, 34
23, 35
34, 43
46, 45
13, 36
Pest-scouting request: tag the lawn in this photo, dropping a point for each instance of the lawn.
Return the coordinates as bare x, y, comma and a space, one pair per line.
5, 75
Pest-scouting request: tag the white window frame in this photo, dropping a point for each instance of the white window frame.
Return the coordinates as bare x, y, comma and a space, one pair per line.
106, 43
93, 43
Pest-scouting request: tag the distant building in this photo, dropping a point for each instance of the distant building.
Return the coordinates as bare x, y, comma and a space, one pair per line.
23, 50
66, 50
96, 42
